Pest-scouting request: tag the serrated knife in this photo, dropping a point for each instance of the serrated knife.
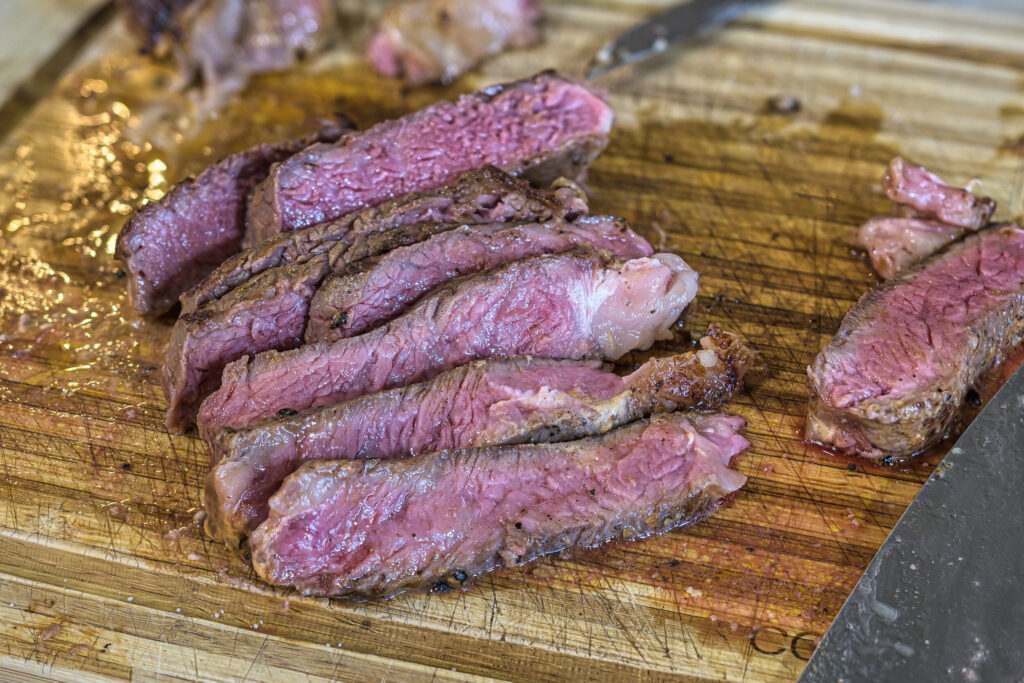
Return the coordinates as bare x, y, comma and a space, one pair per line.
943, 600
657, 34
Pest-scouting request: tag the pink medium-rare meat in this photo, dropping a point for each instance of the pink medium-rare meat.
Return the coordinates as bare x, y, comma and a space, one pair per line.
374, 528
544, 128
929, 197
371, 293
169, 245
485, 403
270, 309
894, 244
577, 304
437, 40
488, 195
895, 375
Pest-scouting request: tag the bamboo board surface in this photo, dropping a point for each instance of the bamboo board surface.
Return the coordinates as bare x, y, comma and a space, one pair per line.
104, 571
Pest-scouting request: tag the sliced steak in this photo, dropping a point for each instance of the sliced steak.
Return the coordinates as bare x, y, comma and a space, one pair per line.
485, 196
894, 244
170, 245
894, 376
437, 40
270, 310
373, 291
577, 304
544, 127
485, 403
374, 528
929, 197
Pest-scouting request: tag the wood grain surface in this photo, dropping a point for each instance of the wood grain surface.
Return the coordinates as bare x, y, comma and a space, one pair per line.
104, 570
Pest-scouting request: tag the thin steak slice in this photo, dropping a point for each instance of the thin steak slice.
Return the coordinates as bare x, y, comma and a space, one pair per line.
437, 40
577, 304
169, 245
270, 310
485, 196
373, 291
544, 127
892, 380
485, 403
929, 197
894, 244
379, 527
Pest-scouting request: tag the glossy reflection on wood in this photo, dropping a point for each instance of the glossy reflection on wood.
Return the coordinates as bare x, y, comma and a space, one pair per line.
100, 544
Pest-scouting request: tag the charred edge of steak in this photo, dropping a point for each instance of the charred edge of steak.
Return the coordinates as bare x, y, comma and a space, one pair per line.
551, 127
477, 196
634, 482
703, 380
896, 426
483, 398
270, 310
169, 245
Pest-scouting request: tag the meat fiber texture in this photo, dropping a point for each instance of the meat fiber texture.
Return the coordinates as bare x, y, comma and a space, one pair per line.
934, 215
484, 403
488, 195
169, 245
544, 127
892, 380
376, 528
574, 305
438, 40
270, 310
376, 290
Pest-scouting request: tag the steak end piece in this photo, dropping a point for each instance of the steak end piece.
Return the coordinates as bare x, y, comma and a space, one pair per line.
894, 244
893, 378
485, 403
543, 128
169, 245
437, 40
270, 310
376, 528
576, 304
930, 197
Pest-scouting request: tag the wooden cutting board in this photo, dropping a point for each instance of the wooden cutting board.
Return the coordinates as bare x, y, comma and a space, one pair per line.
104, 571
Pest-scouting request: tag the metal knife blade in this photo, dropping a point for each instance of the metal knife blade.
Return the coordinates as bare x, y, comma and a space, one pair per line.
944, 597
673, 26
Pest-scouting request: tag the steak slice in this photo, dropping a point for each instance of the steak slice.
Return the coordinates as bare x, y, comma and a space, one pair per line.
270, 311
929, 197
373, 291
894, 244
893, 378
437, 40
379, 527
169, 245
577, 304
484, 403
485, 196
544, 127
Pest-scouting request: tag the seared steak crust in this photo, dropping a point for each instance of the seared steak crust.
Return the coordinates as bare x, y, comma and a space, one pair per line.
377, 527
169, 245
893, 378
578, 304
485, 403
544, 127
